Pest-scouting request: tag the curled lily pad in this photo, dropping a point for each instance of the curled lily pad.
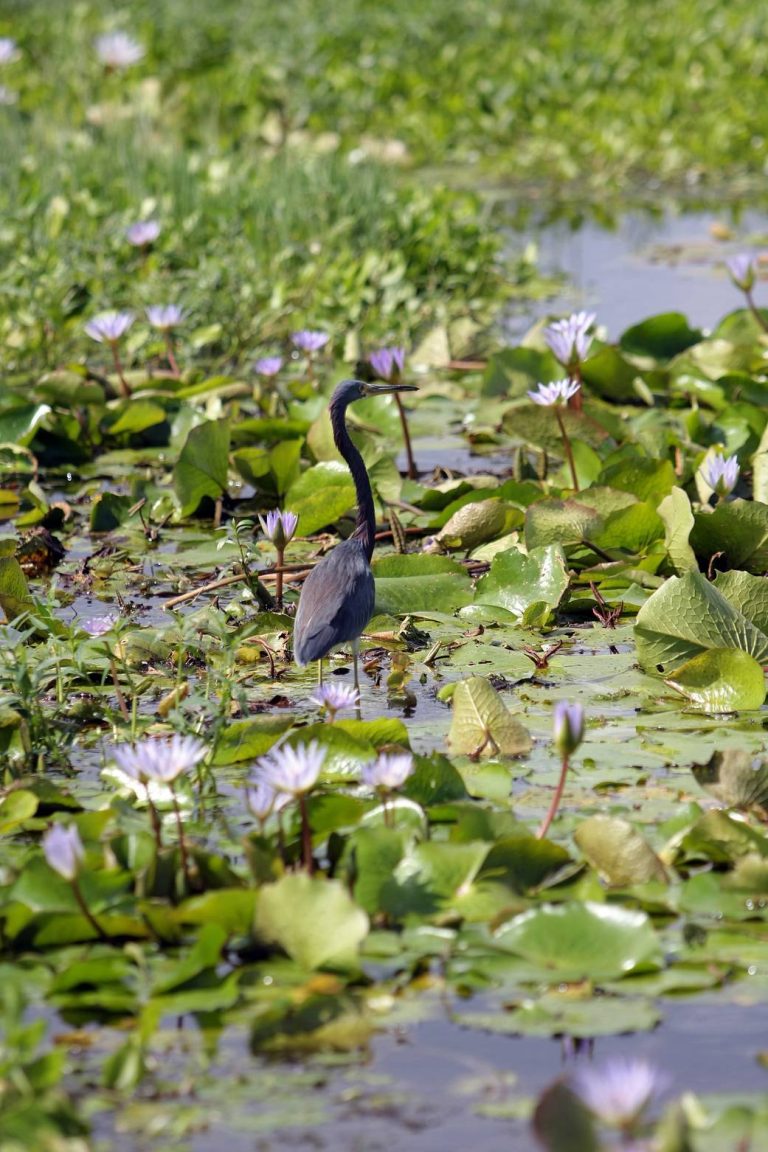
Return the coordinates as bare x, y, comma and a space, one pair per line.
734, 777
314, 919
482, 725
721, 680
618, 851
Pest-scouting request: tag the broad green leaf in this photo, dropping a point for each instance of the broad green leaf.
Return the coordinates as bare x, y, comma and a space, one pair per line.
15, 809
420, 582
582, 941
14, 591
561, 522
313, 919
645, 479
677, 516
633, 529
523, 861
135, 416
748, 594
201, 469
482, 725
687, 616
320, 496
555, 1014
516, 579
247, 739
660, 337
734, 777
618, 851
476, 522
109, 511
562, 1123
18, 425
721, 680
513, 371
609, 374
736, 528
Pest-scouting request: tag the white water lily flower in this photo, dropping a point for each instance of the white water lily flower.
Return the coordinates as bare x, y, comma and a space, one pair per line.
741, 269
263, 799
165, 316
118, 50
335, 697
143, 232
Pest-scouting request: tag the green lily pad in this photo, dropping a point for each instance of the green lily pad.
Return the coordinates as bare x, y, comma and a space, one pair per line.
201, 469
320, 496
688, 616
618, 851
582, 941
482, 725
313, 919
420, 583
734, 777
721, 680
516, 580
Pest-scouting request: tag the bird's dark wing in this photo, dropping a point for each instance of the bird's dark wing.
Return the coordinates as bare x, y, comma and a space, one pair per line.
336, 602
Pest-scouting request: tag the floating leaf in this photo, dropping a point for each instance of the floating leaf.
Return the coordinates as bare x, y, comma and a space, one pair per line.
314, 919
721, 680
14, 592
734, 777
420, 583
618, 851
482, 725
562, 1123
687, 616
517, 580
660, 337
582, 941
736, 528
560, 522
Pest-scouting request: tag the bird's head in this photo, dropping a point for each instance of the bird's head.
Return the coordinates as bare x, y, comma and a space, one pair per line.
351, 390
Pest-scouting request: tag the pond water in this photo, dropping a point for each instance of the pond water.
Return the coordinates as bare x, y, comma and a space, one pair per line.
672, 262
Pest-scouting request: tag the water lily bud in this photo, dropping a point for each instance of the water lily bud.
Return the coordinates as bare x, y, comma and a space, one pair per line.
63, 850
568, 727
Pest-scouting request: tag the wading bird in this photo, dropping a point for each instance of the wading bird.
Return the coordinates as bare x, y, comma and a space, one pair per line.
337, 598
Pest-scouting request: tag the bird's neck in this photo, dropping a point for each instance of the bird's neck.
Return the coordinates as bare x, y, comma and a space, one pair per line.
366, 515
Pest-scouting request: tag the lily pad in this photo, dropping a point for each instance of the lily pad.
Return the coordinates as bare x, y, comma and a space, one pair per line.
482, 725
721, 680
314, 919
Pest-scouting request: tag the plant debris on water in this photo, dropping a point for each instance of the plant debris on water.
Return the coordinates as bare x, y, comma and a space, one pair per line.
544, 813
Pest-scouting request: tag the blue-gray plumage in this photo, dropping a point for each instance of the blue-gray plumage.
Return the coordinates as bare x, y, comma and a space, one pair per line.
337, 598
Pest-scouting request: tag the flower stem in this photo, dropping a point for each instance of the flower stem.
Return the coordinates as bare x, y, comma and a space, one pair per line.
544, 826
279, 578
567, 449
170, 356
306, 835
755, 310
87, 912
156, 825
119, 369
412, 470
182, 843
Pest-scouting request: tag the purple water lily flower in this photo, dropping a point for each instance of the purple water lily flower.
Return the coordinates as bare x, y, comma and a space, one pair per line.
568, 727
63, 850
268, 365
9, 50
741, 269
620, 1090
389, 771
118, 50
334, 698
309, 341
263, 799
292, 770
279, 527
143, 233
558, 393
159, 761
721, 473
388, 363
569, 340
98, 625
108, 327
165, 316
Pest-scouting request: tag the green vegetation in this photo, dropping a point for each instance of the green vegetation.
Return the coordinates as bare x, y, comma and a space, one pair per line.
602, 561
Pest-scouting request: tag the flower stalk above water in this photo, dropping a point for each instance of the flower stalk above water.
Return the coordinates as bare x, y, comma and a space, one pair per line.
333, 698
567, 734
294, 772
309, 341
385, 775
742, 270
64, 853
109, 328
279, 527
389, 365
166, 317
556, 396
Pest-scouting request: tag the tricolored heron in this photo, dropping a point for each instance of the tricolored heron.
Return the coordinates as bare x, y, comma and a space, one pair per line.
337, 598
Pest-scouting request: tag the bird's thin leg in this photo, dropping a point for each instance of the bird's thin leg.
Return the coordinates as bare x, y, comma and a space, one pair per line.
320, 672
355, 655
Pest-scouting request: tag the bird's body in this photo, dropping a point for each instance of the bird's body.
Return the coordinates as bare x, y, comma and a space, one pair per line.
337, 598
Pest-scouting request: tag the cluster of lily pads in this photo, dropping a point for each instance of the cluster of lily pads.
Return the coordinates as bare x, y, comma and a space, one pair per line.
238, 847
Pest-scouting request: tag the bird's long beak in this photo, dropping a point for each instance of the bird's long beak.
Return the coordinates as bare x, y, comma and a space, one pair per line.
378, 389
